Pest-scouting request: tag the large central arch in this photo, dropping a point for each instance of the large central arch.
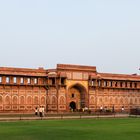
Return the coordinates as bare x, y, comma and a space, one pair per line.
77, 94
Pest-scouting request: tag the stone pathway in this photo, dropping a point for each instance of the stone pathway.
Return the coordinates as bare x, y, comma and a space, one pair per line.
63, 117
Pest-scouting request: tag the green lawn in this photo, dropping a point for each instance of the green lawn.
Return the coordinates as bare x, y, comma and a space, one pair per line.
84, 129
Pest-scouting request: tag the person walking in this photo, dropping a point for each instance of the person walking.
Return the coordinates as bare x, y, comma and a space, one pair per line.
122, 109
40, 111
43, 111
113, 110
101, 109
36, 111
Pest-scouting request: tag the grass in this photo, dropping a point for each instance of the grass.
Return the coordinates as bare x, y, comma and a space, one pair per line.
84, 129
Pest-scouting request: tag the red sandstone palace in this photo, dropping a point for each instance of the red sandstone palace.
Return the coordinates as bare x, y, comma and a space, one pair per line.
66, 87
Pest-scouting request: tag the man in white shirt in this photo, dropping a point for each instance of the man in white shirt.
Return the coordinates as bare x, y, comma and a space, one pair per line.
40, 111
101, 108
43, 111
122, 108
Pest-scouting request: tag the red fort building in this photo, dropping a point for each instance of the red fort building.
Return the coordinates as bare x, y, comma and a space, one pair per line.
66, 88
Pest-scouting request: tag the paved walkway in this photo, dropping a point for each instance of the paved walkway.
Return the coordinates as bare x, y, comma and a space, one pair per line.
63, 117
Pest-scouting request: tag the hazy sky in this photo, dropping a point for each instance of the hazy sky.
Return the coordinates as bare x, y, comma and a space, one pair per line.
42, 33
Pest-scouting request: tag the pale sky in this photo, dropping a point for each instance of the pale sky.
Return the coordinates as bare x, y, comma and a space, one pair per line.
42, 33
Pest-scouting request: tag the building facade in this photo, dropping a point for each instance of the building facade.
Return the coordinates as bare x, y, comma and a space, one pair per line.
66, 87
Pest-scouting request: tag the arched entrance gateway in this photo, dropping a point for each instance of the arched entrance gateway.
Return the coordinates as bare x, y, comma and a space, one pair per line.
72, 105
77, 97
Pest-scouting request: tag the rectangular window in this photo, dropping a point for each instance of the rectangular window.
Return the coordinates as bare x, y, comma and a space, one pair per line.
53, 81
0, 79
125, 84
41, 81
105, 83
135, 84
15, 80
99, 83
21, 80
111, 84
62, 81
72, 95
92, 82
121, 84
28, 80
7, 79
130, 85
35, 81
116, 84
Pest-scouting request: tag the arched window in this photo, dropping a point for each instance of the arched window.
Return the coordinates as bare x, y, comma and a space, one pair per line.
48, 100
43, 100
36, 101
135, 100
131, 101
22, 100
92, 100
1, 101
116, 100
106, 99
111, 100
100, 100
29, 100
126, 100
62, 100
54, 101
15, 100
7, 100
121, 101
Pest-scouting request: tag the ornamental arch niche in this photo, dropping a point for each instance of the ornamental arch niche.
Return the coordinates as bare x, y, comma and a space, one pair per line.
36, 100
29, 100
7, 100
43, 100
15, 100
54, 100
77, 97
62, 100
1, 100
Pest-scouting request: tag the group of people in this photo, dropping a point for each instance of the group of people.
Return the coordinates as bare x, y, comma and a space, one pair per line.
40, 111
105, 109
112, 110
